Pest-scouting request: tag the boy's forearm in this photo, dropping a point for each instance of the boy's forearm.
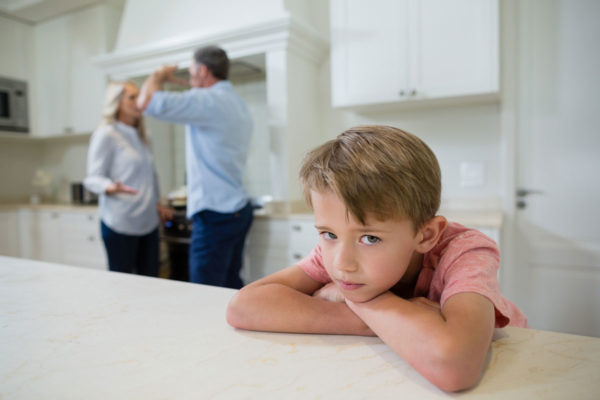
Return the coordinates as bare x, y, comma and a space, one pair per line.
279, 308
422, 337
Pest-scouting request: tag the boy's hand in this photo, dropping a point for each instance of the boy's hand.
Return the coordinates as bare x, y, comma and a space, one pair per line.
330, 292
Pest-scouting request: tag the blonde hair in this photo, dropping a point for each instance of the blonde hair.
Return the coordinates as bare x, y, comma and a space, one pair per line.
110, 109
377, 170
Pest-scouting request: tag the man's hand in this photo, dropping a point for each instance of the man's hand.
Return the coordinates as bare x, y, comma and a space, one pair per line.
155, 81
117, 187
164, 213
330, 292
167, 74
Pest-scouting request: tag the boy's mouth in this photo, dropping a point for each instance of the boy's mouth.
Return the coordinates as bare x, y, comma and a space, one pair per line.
349, 285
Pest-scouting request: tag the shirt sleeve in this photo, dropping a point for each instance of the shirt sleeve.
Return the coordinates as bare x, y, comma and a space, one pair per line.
312, 265
178, 107
100, 154
472, 264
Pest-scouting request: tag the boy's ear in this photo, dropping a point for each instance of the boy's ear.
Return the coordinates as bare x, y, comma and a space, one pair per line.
430, 233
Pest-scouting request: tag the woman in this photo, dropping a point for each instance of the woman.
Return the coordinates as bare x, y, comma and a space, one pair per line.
120, 169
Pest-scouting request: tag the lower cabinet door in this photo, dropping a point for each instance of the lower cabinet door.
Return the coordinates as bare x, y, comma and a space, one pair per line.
81, 240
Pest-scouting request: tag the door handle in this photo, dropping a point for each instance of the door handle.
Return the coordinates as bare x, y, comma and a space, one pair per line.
526, 192
522, 193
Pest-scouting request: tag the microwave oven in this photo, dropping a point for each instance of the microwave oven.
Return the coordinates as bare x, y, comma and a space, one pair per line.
14, 115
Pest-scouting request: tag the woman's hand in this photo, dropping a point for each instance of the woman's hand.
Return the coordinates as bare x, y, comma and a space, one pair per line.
164, 213
117, 187
330, 292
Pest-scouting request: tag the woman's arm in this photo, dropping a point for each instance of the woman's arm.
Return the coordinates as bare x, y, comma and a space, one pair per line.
448, 346
99, 160
283, 302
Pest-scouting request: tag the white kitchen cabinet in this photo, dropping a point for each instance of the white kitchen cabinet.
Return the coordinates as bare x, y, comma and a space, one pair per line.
81, 240
303, 238
9, 233
277, 243
69, 89
266, 248
48, 236
62, 236
397, 51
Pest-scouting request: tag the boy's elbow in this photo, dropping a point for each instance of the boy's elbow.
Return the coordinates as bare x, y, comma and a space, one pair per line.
455, 372
455, 380
234, 314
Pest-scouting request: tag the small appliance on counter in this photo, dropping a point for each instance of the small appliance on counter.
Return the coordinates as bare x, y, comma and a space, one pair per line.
80, 195
14, 116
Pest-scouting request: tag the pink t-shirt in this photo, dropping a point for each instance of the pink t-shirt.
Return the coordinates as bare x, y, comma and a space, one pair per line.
464, 260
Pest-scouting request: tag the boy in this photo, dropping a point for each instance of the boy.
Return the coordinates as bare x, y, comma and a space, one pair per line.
386, 264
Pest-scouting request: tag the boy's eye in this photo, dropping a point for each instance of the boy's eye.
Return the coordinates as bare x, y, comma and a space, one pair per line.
328, 235
369, 239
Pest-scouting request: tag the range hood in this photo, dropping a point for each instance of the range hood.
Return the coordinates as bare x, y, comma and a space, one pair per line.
151, 34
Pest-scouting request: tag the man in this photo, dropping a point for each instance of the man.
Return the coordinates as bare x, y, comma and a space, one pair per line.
218, 130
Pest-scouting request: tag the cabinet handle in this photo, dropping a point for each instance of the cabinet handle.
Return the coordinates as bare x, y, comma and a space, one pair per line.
297, 256
402, 93
54, 215
90, 217
413, 92
91, 238
296, 228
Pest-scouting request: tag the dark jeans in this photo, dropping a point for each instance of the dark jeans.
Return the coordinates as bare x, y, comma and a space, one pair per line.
217, 247
131, 253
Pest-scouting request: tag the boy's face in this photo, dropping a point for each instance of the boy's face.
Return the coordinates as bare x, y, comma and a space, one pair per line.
362, 260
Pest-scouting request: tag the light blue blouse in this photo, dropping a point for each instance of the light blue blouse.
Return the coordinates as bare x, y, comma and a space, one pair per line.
218, 132
116, 152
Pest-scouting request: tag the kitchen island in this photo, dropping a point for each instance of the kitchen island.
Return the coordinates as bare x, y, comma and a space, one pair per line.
75, 333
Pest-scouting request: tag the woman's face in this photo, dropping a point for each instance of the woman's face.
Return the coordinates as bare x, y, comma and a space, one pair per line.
128, 111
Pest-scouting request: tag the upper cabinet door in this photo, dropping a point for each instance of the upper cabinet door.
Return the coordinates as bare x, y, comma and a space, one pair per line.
369, 50
456, 47
405, 50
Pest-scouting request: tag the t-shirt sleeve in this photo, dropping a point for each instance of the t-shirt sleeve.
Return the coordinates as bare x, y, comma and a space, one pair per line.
471, 264
312, 265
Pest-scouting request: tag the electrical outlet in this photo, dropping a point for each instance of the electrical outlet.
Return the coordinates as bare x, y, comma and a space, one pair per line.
472, 174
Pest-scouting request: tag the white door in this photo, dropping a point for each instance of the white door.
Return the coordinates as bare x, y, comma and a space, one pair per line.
558, 143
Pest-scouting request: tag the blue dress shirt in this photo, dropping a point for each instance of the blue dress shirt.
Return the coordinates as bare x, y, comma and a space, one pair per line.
218, 132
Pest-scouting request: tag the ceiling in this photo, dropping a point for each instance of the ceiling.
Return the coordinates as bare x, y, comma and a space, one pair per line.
34, 11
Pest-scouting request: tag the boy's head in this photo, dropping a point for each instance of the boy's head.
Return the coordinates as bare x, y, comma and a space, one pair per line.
377, 170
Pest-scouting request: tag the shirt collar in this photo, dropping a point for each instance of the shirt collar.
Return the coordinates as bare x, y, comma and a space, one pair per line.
124, 128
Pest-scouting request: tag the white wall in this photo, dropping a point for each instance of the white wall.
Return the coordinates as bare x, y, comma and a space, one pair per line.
18, 162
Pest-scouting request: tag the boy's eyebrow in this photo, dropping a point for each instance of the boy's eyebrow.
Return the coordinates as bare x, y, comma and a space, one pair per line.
365, 229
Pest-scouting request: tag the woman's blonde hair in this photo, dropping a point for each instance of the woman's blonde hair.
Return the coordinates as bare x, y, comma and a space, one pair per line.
110, 110
377, 170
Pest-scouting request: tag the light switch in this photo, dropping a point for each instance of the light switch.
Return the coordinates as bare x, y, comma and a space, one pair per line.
472, 174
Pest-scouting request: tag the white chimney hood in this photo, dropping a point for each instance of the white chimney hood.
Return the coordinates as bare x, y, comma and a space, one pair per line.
155, 32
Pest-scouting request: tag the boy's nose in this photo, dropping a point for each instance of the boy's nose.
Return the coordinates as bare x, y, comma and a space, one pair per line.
344, 259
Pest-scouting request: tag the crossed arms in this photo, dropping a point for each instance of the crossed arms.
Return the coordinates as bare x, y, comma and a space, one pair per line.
446, 345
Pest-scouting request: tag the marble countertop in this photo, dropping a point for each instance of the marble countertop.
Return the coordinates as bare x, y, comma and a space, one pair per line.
74, 333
